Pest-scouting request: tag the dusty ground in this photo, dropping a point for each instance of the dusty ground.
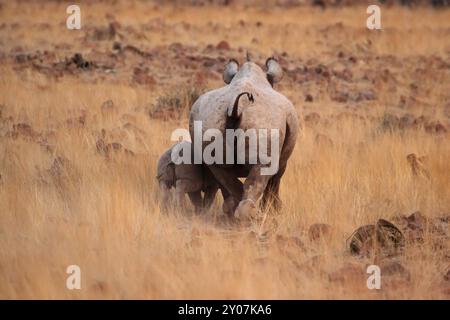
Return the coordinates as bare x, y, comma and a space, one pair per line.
80, 137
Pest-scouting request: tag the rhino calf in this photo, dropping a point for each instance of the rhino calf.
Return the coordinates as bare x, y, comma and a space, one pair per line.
192, 179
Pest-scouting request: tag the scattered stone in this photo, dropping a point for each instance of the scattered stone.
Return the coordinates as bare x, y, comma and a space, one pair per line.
24, 129
389, 237
390, 122
340, 96
435, 128
80, 62
362, 240
406, 121
141, 76
223, 45
309, 98
384, 239
416, 221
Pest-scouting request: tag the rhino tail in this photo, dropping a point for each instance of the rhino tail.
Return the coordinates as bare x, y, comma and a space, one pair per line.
235, 110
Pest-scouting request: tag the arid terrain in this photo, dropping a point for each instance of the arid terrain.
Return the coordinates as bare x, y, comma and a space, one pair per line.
85, 115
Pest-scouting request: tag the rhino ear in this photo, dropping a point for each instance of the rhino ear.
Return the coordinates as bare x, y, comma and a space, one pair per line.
231, 68
274, 71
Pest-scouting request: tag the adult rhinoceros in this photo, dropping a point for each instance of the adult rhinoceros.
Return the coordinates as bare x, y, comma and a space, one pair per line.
266, 109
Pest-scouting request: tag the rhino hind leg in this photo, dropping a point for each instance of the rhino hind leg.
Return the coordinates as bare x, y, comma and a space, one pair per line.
165, 196
231, 187
209, 196
254, 187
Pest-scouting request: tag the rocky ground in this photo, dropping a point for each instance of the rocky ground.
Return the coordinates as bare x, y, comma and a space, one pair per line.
84, 114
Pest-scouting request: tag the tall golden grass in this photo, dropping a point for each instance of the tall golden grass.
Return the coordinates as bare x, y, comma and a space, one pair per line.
102, 213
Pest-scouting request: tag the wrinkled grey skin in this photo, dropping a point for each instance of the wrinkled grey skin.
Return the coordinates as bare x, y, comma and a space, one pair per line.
269, 110
185, 178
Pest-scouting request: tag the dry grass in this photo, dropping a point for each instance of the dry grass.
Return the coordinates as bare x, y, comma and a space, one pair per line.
102, 213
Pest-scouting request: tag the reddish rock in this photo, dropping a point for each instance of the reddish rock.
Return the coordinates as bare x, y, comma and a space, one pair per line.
388, 238
223, 45
140, 76
416, 221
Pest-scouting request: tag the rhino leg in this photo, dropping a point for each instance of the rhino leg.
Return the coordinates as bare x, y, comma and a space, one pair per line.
229, 202
232, 188
209, 196
254, 186
181, 187
165, 194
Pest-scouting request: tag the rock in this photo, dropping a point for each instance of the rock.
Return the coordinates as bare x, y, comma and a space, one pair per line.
80, 62
117, 46
419, 121
319, 231
406, 121
345, 74
24, 129
140, 76
389, 239
361, 242
309, 98
223, 45
435, 128
339, 96
416, 221
390, 122
322, 70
